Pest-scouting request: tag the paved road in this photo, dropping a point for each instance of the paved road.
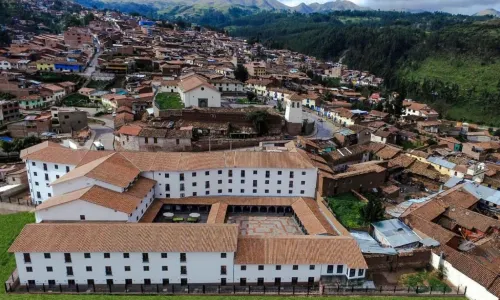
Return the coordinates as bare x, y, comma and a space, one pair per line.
103, 133
323, 129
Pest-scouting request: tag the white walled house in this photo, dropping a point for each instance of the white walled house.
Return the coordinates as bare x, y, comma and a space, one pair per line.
228, 85
197, 92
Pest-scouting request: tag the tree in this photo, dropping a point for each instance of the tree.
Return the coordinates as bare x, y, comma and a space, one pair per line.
23, 143
251, 96
241, 73
373, 211
7, 147
260, 121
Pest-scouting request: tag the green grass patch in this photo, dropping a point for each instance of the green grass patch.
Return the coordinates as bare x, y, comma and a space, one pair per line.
78, 100
347, 208
425, 281
99, 84
467, 73
11, 225
169, 101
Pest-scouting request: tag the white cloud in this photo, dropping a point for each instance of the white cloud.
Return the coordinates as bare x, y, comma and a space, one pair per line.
452, 6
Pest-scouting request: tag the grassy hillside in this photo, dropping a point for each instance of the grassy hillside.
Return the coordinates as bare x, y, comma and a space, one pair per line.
468, 72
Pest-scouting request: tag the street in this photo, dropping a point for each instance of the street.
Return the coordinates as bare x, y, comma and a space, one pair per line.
102, 133
323, 129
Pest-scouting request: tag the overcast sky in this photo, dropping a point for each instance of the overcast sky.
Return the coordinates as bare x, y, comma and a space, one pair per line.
452, 6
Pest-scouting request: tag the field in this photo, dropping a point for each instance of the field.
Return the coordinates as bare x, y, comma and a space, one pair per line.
467, 74
347, 209
78, 100
169, 101
10, 226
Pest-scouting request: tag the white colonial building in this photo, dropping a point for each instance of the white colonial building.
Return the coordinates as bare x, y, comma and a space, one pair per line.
101, 219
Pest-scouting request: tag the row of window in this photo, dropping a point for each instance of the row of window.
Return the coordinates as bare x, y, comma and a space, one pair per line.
207, 184
230, 174
45, 167
108, 270
229, 191
184, 281
145, 256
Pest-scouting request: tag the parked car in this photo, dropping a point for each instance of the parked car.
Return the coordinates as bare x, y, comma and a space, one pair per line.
98, 145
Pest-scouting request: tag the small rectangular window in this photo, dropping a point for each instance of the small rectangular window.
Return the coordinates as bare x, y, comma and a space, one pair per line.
183, 257
127, 268
261, 267
311, 267
230, 173
295, 267
50, 269
67, 257
46, 255
88, 268
183, 270
243, 268
242, 173
29, 269
145, 257
277, 281
164, 255
164, 268
278, 267
126, 255
107, 255
268, 174
145, 268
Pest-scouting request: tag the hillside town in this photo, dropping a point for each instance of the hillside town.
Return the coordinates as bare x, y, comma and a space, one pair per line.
178, 159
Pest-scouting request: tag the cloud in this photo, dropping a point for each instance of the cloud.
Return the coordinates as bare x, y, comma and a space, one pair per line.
451, 6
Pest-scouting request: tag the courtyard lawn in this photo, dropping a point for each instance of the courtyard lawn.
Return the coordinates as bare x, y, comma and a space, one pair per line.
347, 209
169, 101
425, 281
78, 100
10, 226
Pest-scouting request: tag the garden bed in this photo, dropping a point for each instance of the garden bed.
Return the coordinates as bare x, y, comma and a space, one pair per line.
347, 209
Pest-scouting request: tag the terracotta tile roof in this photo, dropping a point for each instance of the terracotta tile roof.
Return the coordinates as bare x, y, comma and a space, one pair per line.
38, 147
430, 210
459, 197
388, 152
368, 168
217, 213
141, 187
177, 161
126, 202
470, 219
193, 81
423, 169
430, 229
312, 219
126, 237
132, 130
60, 155
297, 250
92, 156
115, 170
401, 160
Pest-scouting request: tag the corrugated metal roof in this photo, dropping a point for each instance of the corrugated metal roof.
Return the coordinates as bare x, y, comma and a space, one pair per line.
441, 162
396, 232
367, 244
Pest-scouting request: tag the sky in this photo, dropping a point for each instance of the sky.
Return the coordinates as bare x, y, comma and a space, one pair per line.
467, 7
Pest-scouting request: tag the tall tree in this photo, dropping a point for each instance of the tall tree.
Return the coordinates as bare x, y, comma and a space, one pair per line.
373, 211
241, 73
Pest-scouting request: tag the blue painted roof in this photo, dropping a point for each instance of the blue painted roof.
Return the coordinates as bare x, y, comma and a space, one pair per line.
441, 162
6, 139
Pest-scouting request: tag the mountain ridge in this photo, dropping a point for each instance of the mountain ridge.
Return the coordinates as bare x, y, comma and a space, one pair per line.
488, 12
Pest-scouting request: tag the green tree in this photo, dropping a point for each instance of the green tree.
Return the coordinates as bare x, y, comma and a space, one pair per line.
260, 120
7, 147
241, 73
373, 211
23, 143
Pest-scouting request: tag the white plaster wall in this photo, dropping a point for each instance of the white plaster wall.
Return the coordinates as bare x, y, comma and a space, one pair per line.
304, 183
71, 211
475, 291
293, 112
201, 268
191, 98
43, 186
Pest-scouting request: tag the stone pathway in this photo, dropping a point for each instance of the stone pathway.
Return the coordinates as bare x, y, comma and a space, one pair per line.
266, 225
